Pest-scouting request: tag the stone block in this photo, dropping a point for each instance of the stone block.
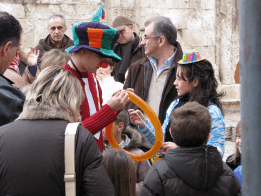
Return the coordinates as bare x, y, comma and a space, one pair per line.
31, 1
37, 12
208, 4
157, 12
178, 17
208, 19
17, 10
171, 4
199, 37
194, 19
232, 91
158, 4
28, 33
183, 3
208, 52
68, 11
12, 2
195, 4
145, 4
40, 30
85, 11
115, 3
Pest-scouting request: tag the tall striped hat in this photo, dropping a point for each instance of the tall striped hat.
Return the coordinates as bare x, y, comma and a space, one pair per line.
191, 56
95, 36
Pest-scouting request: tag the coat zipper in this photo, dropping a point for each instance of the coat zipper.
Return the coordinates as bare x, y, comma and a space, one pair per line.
206, 159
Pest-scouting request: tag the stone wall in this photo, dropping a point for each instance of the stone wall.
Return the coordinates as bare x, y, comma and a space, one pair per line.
210, 26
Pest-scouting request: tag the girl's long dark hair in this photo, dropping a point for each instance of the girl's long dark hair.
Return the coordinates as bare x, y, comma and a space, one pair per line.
206, 90
121, 171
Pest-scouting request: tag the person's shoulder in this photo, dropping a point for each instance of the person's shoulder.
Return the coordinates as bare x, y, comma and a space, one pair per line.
69, 40
139, 63
42, 43
8, 90
214, 110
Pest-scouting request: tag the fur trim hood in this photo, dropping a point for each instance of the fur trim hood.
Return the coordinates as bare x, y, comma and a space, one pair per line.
43, 111
134, 135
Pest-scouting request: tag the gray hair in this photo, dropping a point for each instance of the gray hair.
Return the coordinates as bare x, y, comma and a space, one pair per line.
55, 16
163, 27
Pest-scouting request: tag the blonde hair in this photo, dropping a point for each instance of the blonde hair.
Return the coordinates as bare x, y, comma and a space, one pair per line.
54, 57
58, 89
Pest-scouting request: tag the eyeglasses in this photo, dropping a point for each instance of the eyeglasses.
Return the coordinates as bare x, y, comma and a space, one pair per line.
147, 37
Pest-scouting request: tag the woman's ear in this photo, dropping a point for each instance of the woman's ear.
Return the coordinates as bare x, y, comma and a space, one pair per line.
195, 82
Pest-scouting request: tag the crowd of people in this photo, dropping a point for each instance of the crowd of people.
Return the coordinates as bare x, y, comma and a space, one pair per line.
63, 81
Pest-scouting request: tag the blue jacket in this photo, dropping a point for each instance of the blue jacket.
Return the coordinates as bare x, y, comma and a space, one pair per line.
217, 137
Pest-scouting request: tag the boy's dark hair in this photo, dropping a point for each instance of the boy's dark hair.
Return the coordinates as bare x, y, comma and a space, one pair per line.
10, 29
123, 116
190, 125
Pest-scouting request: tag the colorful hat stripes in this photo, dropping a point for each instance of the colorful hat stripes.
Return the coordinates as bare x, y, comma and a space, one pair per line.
191, 57
95, 36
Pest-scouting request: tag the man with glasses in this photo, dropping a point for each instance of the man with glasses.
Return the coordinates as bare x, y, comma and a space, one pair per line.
93, 43
127, 47
153, 76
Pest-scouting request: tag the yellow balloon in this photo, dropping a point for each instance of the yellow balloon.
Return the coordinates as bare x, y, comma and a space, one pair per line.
155, 122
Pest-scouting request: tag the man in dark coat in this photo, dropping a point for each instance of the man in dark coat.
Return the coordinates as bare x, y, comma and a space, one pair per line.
11, 98
56, 38
153, 76
190, 167
127, 47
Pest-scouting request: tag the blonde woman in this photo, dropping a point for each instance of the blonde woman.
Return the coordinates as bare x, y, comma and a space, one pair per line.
32, 147
54, 57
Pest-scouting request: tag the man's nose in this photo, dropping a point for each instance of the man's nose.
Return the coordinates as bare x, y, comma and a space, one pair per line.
142, 42
56, 30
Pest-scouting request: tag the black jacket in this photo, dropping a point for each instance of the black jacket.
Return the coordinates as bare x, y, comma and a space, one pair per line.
129, 53
11, 101
196, 171
32, 160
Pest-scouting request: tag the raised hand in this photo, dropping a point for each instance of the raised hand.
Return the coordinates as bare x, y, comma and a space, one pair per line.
32, 56
136, 117
118, 100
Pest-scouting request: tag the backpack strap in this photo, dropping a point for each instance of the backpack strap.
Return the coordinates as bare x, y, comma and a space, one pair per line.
69, 159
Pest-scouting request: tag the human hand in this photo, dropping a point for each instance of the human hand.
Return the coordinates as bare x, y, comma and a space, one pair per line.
136, 117
118, 100
32, 56
169, 145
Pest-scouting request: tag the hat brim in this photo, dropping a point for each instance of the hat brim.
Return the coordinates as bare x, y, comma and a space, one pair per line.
181, 61
120, 28
106, 52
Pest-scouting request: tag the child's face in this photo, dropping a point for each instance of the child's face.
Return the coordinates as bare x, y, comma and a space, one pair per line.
238, 141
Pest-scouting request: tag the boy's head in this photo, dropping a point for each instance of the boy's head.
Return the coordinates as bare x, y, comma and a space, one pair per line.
190, 125
122, 121
119, 126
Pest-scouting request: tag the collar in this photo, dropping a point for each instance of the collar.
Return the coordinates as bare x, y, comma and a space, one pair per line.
167, 64
8, 80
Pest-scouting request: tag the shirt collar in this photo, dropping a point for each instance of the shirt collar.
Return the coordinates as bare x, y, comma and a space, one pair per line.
168, 63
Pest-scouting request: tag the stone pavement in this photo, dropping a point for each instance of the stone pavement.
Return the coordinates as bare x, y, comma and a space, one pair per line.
229, 149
